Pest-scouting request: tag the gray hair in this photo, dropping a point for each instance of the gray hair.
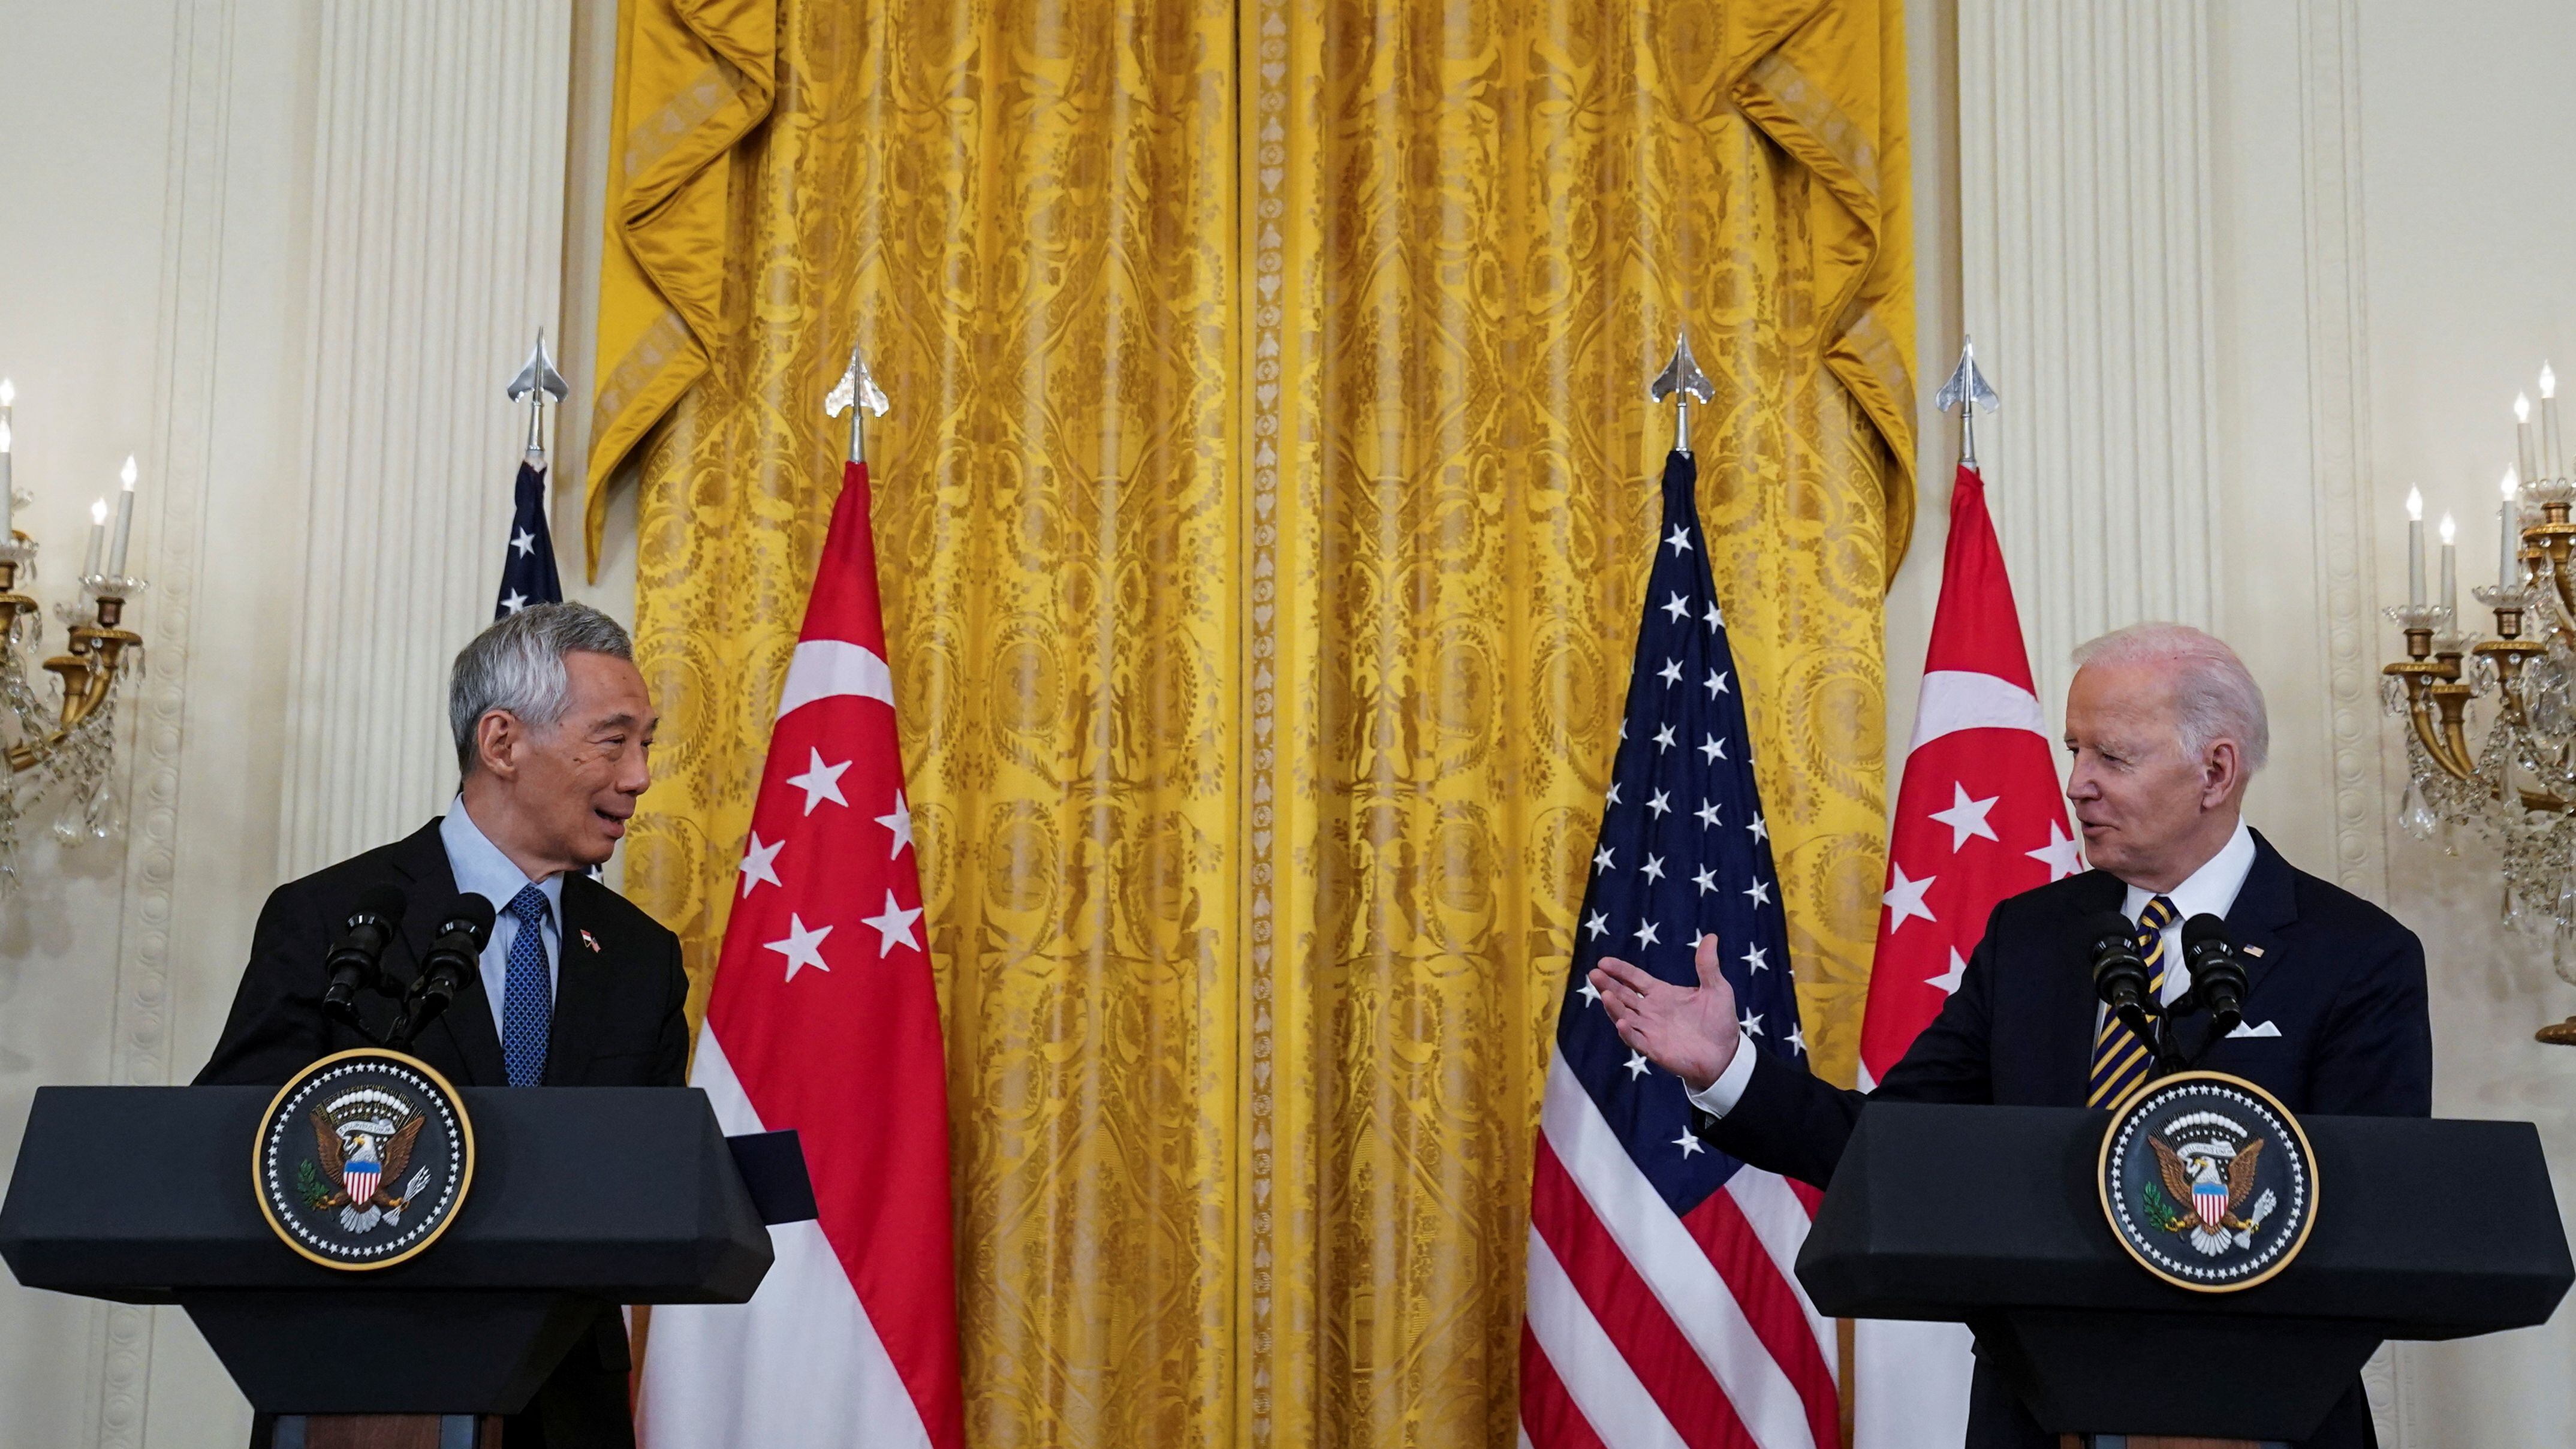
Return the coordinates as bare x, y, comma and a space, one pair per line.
2215, 696
517, 665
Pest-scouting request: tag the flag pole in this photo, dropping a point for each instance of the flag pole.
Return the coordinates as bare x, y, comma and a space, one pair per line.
858, 392
536, 382
1967, 391
1681, 380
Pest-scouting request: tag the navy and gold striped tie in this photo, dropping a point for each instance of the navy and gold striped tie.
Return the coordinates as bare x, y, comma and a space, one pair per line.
2120, 1060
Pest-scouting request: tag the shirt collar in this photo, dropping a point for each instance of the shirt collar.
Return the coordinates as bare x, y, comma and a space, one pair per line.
2210, 890
482, 869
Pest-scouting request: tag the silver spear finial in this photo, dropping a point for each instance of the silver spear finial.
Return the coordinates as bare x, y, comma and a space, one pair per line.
1681, 380
536, 382
857, 392
1967, 391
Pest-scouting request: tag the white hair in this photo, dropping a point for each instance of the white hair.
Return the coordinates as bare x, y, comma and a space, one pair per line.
517, 665
2215, 696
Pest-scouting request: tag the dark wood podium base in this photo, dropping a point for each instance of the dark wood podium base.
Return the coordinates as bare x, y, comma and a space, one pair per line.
387, 1431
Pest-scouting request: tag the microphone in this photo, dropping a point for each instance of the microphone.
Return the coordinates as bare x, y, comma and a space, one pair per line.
454, 952
351, 962
2217, 976
2119, 976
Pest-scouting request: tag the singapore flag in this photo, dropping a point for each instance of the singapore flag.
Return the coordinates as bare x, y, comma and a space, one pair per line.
824, 1019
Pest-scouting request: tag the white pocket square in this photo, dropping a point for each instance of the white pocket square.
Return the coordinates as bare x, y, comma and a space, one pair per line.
2250, 1028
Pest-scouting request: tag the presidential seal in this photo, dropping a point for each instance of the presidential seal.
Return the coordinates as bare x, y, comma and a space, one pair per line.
2208, 1182
363, 1159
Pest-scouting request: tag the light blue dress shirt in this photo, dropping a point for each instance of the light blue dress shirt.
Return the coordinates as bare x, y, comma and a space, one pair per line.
480, 867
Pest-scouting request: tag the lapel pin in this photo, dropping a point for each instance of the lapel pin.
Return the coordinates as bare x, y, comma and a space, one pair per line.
592, 941
2253, 951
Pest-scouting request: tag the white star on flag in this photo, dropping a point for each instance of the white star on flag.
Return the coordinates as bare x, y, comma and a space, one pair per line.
1663, 741
1705, 878
1597, 923
1671, 673
524, 541
1636, 1065
1966, 817
1905, 897
1753, 960
1760, 891
1750, 1024
1662, 804
900, 822
760, 863
802, 947
820, 782
1688, 1142
894, 924
514, 601
1680, 542
1645, 933
2059, 854
1678, 607
1949, 980
1654, 867
1707, 813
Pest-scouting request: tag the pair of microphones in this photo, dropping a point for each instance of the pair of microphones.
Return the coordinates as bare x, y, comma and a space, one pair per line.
354, 962
2120, 974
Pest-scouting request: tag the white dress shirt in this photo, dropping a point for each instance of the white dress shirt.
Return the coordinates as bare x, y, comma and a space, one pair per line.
481, 868
2210, 890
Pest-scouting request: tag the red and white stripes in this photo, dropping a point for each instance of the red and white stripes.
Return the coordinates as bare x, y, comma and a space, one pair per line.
1648, 1328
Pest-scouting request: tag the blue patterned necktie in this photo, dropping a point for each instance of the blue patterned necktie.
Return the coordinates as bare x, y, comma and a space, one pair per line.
528, 998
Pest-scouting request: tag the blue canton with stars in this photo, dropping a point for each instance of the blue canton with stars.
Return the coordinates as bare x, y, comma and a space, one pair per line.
528, 563
1683, 849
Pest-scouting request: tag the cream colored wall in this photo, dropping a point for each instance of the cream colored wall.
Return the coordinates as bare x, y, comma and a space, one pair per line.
2242, 273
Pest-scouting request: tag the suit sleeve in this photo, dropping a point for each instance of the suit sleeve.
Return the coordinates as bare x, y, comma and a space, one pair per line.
2374, 1057
276, 1025
671, 1046
1794, 1123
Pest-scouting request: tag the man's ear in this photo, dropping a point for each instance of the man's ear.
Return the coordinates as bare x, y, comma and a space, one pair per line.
2222, 772
497, 737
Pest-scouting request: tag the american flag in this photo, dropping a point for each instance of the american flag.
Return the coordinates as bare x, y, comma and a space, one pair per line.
1663, 1307
528, 564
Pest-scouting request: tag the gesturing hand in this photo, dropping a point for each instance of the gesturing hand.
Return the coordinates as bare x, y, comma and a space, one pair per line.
1689, 1032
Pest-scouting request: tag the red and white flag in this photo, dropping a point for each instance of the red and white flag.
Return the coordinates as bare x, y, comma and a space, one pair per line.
824, 1019
1978, 817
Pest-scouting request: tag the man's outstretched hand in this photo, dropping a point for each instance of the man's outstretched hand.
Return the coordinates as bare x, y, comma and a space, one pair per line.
1689, 1032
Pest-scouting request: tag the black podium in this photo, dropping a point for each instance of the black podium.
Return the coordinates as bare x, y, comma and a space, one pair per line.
583, 1198
1990, 1216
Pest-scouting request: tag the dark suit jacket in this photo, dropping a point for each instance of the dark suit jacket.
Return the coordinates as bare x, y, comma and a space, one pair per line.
617, 1023
2340, 979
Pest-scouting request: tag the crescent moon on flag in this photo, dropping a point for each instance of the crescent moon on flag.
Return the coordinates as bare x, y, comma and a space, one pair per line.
829, 668
1961, 699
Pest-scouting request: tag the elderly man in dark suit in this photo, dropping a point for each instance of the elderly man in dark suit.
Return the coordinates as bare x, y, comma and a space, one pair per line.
2164, 727
577, 987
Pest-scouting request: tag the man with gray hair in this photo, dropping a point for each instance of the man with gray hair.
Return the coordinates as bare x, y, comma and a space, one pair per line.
2164, 729
553, 730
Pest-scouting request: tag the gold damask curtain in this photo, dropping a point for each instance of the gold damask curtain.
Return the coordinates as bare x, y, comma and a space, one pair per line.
1263, 515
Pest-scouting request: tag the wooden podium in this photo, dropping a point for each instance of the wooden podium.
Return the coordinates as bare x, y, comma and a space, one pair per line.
584, 1198
1991, 1216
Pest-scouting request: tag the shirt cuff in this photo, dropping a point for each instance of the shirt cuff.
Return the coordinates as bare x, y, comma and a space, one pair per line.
1719, 1097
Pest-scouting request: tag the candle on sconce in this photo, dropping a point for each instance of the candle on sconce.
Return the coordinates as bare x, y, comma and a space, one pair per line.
2530, 452
124, 519
98, 537
2553, 463
2414, 545
2450, 569
8, 444
2509, 534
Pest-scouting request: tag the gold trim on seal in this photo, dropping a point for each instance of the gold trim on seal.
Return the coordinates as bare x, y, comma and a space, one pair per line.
267, 1117
2102, 1182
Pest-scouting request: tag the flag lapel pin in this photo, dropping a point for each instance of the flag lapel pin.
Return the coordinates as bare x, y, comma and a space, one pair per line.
590, 940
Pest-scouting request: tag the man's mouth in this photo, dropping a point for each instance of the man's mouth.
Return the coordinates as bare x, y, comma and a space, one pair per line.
616, 823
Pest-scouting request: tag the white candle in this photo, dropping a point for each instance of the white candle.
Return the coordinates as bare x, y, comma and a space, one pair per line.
98, 536
2522, 436
2450, 569
2509, 535
8, 441
2553, 463
124, 520
2414, 545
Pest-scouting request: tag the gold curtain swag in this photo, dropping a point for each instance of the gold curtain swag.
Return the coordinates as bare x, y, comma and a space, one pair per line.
1263, 520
